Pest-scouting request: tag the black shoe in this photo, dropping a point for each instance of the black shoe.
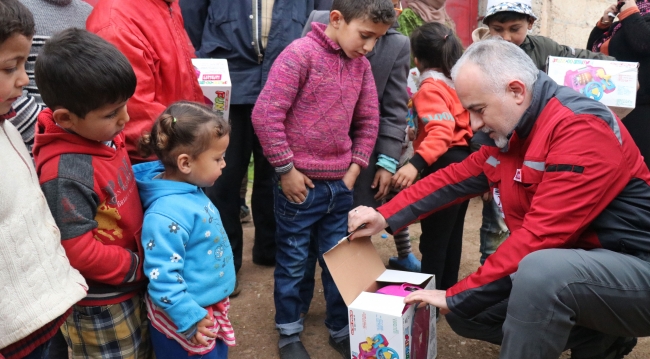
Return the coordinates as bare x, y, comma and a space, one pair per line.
620, 348
237, 290
343, 347
294, 350
261, 261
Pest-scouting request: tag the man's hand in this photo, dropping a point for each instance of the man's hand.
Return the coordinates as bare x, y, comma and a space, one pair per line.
375, 222
405, 176
351, 175
202, 331
294, 185
382, 179
437, 298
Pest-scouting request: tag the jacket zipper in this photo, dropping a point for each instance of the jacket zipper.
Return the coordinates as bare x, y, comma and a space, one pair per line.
256, 31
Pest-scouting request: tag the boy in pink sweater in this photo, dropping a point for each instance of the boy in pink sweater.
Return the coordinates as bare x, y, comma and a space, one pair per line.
317, 120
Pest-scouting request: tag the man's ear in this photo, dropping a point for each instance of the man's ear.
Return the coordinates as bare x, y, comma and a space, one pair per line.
64, 118
184, 163
335, 18
518, 90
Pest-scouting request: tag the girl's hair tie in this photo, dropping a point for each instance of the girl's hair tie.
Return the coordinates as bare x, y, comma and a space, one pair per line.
447, 35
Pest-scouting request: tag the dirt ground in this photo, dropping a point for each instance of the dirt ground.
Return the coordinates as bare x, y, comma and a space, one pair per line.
252, 312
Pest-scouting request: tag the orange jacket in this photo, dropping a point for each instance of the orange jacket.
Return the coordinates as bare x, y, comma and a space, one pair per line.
442, 120
151, 35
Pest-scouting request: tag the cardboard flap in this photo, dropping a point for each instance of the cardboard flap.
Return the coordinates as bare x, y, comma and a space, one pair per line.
379, 303
354, 266
396, 276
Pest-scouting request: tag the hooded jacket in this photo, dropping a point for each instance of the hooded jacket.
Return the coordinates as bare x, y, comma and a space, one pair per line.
151, 35
188, 257
557, 190
93, 197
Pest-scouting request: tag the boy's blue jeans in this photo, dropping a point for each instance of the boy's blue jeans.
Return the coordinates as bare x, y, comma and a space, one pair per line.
323, 214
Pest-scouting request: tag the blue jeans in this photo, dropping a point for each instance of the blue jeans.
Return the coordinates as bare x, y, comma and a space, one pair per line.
493, 230
41, 351
169, 348
323, 215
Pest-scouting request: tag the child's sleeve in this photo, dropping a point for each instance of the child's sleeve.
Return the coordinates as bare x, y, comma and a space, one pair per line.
434, 112
556, 49
637, 31
270, 111
74, 205
365, 121
393, 107
143, 107
164, 242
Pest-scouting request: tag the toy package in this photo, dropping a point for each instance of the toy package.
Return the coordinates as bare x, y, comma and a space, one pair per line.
381, 325
214, 79
612, 83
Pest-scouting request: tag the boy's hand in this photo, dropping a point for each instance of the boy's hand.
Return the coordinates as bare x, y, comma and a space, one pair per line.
351, 175
405, 176
202, 331
382, 179
294, 185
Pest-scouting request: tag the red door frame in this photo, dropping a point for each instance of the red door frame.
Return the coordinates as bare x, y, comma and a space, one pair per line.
465, 15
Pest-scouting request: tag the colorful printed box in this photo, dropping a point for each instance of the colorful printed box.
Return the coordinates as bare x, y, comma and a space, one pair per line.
214, 79
381, 325
612, 83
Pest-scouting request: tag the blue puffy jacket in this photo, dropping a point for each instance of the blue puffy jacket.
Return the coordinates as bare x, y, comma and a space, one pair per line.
231, 29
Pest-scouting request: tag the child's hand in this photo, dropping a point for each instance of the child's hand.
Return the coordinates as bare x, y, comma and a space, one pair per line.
382, 179
294, 185
351, 175
411, 132
405, 176
202, 331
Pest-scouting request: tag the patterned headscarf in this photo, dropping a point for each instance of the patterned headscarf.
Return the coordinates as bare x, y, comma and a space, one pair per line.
644, 9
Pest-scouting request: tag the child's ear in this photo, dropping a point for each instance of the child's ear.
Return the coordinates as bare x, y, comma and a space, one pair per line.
183, 162
416, 62
64, 118
335, 18
531, 21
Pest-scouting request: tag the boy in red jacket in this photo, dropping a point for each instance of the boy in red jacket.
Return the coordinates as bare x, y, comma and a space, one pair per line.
86, 176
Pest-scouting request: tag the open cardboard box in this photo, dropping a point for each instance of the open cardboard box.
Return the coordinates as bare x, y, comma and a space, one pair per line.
613, 83
380, 327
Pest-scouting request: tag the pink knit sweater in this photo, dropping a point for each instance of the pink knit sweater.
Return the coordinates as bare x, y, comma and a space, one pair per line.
318, 109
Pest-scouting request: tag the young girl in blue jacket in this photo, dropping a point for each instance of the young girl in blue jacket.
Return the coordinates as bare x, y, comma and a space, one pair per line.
188, 258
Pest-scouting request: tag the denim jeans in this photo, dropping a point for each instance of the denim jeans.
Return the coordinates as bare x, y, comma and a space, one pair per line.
493, 229
323, 215
169, 348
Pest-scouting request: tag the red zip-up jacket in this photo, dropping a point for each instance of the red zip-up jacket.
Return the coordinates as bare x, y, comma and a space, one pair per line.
150, 33
91, 191
570, 177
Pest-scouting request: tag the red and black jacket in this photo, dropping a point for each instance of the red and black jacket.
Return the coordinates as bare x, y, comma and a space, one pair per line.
570, 177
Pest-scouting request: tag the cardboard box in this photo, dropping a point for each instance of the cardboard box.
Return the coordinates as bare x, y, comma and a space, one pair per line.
613, 83
380, 327
214, 79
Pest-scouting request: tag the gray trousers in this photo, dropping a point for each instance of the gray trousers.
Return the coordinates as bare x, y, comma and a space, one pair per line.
566, 299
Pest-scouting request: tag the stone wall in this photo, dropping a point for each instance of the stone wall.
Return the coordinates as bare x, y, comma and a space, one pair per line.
568, 22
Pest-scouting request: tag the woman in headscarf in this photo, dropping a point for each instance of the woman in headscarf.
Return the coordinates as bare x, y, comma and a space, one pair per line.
418, 12
628, 39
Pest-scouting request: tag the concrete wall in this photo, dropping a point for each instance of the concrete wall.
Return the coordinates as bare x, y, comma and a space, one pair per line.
568, 22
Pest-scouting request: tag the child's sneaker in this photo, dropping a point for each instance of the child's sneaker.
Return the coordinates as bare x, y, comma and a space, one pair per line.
410, 263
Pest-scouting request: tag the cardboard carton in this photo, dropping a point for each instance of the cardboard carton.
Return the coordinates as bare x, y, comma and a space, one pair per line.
214, 80
613, 83
380, 325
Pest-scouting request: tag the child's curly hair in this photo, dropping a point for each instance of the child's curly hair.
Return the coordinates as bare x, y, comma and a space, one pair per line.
184, 127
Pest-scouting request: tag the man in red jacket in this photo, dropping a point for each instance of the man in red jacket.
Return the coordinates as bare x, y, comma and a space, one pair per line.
575, 192
151, 35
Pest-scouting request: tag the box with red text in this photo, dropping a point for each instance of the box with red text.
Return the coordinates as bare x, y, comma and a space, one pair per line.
214, 80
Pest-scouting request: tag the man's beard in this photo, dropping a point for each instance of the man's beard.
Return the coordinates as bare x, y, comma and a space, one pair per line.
500, 140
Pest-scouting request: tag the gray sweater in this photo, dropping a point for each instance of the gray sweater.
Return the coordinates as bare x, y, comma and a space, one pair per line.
50, 16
